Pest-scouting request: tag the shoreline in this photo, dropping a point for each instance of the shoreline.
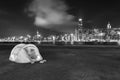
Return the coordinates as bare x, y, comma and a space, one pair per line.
3, 45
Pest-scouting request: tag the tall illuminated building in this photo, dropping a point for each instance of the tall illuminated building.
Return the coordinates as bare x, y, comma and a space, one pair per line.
80, 23
38, 34
108, 31
109, 25
78, 31
76, 34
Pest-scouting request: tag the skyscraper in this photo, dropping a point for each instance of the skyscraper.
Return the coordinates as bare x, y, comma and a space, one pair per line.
109, 25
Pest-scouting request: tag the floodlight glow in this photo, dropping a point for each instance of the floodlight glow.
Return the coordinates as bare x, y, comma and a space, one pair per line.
80, 19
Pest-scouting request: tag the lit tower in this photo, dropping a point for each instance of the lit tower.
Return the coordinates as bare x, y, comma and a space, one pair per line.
108, 25
78, 30
80, 24
38, 34
108, 31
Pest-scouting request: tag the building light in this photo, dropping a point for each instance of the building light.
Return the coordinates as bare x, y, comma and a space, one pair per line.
80, 19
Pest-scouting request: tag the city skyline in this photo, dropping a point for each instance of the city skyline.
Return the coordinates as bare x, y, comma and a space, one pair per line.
14, 19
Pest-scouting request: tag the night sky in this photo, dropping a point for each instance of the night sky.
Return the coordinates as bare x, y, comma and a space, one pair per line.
14, 19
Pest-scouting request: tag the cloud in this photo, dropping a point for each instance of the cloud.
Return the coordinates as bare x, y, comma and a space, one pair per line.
49, 12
